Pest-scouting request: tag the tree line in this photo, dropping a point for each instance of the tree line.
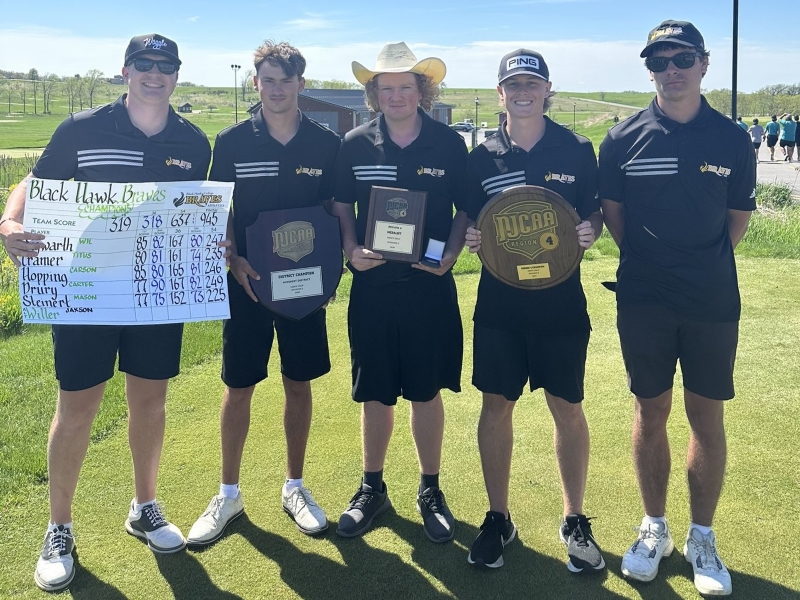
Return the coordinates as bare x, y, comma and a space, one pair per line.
28, 88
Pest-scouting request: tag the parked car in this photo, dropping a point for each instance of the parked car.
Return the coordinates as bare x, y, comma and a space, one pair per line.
461, 126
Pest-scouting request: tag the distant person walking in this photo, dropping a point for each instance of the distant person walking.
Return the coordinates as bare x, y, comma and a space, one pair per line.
773, 129
741, 123
757, 134
788, 130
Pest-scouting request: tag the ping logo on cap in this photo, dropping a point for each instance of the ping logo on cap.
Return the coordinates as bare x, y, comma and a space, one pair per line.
522, 62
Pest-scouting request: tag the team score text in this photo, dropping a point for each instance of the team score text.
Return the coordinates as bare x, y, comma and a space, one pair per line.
213, 267
213, 253
209, 218
216, 296
180, 220
141, 287
141, 300
158, 299
176, 270
120, 224
139, 272
153, 221
214, 281
212, 239
176, 255
176, 241
141, 242
177, 284
198, 297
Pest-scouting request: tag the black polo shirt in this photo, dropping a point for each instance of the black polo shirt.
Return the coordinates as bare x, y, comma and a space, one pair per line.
101, 144
271, 176
677, 182
565, 163
435, 162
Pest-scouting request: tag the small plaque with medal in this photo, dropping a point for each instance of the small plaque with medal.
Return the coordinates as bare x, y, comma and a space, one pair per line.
528, 237
396, 223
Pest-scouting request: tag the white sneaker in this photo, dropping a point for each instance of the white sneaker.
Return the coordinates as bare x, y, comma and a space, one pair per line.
300, 505
211, 525
55, 568
641, 560
710, 575
151, 526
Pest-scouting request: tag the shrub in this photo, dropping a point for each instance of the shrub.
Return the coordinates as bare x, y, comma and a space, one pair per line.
776, 195
10, 313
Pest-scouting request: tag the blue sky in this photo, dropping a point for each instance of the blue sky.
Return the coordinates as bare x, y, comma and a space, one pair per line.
589, 45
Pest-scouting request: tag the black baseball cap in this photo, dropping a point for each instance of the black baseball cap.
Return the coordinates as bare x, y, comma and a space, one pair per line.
152, 43
522, 61
682, 33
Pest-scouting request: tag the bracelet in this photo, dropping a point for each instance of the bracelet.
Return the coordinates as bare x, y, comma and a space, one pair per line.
6, 219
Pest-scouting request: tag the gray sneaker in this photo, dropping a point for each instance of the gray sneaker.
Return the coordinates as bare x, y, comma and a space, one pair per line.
221, 511
364, 506
151, 526
437, 520
55, 568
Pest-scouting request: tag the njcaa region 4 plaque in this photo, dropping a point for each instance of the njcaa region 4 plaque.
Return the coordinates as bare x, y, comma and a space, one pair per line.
396, 223
528, 237
298, 254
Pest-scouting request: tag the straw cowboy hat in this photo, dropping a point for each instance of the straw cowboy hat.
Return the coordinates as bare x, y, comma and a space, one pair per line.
397, 58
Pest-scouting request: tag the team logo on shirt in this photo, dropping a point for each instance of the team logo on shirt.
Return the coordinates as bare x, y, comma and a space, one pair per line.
430, 171
183, 164
293, 240
559, 177
397, 207
301, 170
527, 227
721, 171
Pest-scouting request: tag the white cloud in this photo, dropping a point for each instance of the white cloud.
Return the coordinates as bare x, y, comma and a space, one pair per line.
193, 19
311, 22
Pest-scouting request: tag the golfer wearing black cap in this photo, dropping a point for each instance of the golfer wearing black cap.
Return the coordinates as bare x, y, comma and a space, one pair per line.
539, 336
129, 140
677, 187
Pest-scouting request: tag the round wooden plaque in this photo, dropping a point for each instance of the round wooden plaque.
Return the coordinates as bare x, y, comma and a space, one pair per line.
528, 237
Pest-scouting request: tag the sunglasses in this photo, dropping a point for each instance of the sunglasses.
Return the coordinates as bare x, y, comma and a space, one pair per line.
684, 60
145, 64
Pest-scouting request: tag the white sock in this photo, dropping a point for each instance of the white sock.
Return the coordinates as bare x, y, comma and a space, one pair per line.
648, 520
291, 484
229, 490
52, 526
137, 507
701, 528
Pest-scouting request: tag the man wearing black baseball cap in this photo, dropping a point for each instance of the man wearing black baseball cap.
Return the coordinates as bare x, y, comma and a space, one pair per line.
129, 140
677, 183
512, 342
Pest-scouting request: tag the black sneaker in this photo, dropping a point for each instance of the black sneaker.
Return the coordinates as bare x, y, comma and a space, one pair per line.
437, 520
151, 526
584, 553
487, 549
364, 507
55, 568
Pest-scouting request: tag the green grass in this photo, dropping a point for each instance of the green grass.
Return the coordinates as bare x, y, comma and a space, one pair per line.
266, 557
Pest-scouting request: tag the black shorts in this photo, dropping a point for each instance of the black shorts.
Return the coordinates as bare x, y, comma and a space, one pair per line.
787, 143
85, 354
654, 338
247, 342
756, 145
406, 339
772, 140
502, 361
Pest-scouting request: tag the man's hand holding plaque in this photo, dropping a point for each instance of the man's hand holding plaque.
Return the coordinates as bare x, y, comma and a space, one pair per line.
530, 237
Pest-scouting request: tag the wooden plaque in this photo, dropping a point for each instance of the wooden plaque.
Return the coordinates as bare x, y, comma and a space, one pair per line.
396, 223
528, 237
298, 253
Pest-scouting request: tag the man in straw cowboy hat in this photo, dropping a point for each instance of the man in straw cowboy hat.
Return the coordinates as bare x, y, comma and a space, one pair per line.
404, 322
513, 343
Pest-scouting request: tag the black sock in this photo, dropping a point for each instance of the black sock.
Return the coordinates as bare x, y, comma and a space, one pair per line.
428, 481
374, 479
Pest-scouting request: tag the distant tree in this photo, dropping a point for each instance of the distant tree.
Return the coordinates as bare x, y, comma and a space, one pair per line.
187, 84
47, 81
6, 91
71, 91
23, 95
211, 108
33, 76
247, 81
442, 87
92, 80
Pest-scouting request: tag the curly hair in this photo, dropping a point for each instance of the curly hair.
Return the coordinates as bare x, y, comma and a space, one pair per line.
282, 55
427, 89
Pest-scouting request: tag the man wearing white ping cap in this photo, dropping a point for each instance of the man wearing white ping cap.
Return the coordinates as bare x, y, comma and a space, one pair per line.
513, 343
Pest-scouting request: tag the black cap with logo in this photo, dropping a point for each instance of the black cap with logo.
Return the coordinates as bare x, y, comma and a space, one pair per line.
682, 33
522, 61
152, 44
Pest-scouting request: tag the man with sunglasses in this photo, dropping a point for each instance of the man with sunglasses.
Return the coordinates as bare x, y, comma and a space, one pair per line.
279, 159
129, 140
677, 185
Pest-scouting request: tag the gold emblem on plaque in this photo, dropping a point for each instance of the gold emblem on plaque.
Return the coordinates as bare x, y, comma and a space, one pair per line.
293, 240
527, 228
